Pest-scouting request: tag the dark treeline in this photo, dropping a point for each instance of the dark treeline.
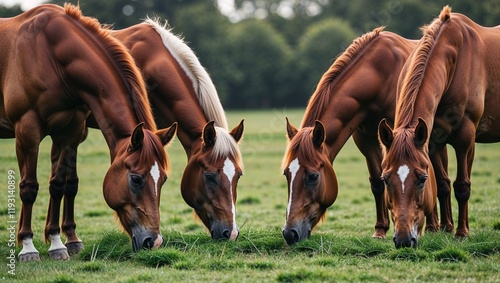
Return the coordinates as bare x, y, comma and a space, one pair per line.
272, 53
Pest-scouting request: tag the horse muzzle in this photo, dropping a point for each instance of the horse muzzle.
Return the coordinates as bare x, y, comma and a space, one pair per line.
144, 239
220, 231
405, 240
296, 233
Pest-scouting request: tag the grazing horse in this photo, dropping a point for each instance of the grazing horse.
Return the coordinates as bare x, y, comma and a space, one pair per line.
56, 67
449, 88
351, 98
181, 90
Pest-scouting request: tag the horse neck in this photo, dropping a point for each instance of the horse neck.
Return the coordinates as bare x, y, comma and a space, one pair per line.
351, 102
171, 89
435, 81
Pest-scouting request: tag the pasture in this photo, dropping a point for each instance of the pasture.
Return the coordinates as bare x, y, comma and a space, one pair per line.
340, 249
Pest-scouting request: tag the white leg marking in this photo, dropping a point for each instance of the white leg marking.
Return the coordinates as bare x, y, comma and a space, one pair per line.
403, 172
155, 173
56, 243
294, 167
28, 247
229, 170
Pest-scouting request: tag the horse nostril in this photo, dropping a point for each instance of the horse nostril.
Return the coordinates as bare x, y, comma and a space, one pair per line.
148, 243
226, 234
291, 236
414, 242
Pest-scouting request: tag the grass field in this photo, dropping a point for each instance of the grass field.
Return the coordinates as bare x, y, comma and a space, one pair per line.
339, 250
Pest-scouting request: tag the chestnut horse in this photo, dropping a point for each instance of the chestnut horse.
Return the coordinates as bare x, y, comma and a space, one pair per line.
58, 65
181, 90
447, 93
351, 98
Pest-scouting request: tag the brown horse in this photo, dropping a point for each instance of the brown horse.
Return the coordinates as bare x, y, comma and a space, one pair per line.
410, 193
58, 65
351, 98
181, 90
449, 86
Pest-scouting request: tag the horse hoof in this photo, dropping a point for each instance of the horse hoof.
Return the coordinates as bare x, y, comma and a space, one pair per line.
59, 254
378, 235
74, 247
29, 257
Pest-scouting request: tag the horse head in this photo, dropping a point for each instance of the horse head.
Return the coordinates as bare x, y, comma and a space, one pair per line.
312, 184
210, 179
409, 179
133, 183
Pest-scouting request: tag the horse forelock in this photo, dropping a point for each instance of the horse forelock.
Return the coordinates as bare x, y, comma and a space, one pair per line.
153, 148
205, 90
226, 146
402, 147
320, 99
416, 70
125, 64
301, 147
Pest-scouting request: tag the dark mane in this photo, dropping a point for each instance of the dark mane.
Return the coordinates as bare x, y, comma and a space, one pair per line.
319, 100
416, 70
125, 64
301, 147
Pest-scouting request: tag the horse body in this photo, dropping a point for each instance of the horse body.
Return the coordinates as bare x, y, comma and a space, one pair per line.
181, 90
352, 96
57, 66
449, 83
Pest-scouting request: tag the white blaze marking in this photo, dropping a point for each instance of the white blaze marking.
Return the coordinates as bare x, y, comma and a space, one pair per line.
293, 168
28, 247
56, 243
155, 173
229, 170
403, 172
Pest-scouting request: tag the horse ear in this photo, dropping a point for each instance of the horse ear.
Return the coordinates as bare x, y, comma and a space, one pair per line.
385, 133
209, 135
237, 132
318, 134
420, 133
291, 131
136, 138
166, 135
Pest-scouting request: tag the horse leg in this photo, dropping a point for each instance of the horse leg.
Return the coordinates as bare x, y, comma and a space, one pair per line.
28, 138
464, 149
370, 148
63, 183
439, 159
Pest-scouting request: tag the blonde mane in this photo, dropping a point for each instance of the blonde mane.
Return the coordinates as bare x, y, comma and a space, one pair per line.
320, 98
413, 79
202, 84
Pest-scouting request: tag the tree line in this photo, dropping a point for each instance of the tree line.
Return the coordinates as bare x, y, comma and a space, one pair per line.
272, 53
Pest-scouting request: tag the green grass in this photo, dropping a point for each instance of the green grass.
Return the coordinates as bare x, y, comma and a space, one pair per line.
340, 249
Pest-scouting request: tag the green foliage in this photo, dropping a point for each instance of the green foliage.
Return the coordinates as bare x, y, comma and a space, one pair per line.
159, 257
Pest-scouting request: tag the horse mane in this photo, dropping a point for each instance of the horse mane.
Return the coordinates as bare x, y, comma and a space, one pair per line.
202, 84
302, 147
125, 64
413, 79
321, 96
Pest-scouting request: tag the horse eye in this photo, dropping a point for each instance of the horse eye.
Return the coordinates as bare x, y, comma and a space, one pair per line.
211, 178
312, 178
136, 183
421, 181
